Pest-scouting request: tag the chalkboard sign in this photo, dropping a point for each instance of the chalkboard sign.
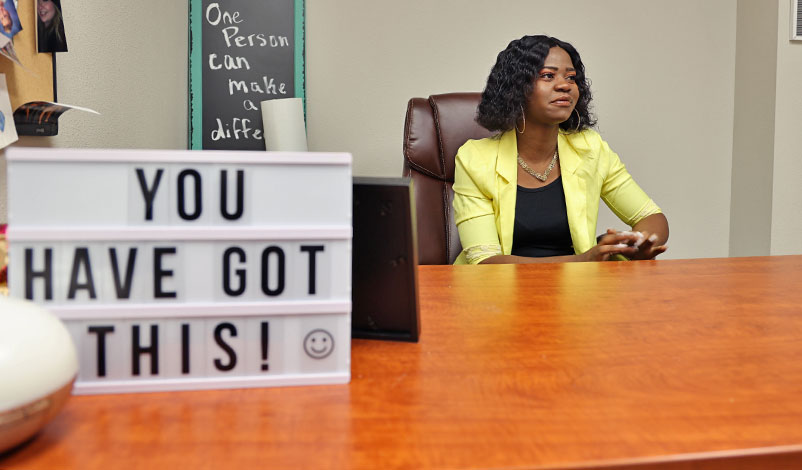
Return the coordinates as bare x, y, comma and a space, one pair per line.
242, 52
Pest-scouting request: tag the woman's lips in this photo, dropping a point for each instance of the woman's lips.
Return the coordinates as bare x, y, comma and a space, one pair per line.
565, 102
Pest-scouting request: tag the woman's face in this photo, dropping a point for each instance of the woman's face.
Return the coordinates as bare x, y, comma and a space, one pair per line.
5, 18
47, 10
555, 92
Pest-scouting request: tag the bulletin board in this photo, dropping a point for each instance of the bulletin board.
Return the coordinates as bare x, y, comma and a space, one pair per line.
35, 82
242, 52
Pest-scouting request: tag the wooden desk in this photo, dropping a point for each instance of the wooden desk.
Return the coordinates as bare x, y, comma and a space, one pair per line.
693, 364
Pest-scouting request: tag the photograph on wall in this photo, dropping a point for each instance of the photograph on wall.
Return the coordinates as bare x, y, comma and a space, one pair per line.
9, 20
7, 50
8, 133
50, 35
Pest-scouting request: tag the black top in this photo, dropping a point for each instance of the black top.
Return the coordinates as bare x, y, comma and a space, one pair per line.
541, 222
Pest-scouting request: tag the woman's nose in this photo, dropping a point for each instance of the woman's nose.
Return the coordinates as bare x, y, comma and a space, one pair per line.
563, 85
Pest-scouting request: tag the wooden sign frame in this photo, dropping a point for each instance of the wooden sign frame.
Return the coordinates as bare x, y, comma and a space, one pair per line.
227, 15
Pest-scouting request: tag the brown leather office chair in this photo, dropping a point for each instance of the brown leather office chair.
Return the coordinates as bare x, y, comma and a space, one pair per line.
435, 129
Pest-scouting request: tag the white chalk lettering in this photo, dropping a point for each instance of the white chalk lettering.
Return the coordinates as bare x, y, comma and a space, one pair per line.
226, 17
279, 41
236, 35
231, 35
239, 128
229, 62
266, 86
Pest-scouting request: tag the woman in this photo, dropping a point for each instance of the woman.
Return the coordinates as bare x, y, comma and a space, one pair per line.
50, 32
5, 21
531, 193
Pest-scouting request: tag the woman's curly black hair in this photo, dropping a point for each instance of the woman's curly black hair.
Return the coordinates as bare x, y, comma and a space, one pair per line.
512, 78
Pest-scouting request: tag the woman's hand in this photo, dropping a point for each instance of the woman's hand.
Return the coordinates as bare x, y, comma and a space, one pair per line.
648, 249
655, 232
645, 242
612, 243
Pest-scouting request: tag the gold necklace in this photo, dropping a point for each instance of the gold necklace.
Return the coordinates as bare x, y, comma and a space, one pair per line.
537, 175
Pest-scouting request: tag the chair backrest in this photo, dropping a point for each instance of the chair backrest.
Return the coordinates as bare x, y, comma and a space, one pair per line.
435, 129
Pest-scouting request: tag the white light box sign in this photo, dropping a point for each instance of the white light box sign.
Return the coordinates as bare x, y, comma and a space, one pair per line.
178, 270
151, 188
173, 270
158, 354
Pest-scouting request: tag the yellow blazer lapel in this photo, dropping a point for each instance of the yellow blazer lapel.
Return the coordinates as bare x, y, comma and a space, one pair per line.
507, 171
574, 187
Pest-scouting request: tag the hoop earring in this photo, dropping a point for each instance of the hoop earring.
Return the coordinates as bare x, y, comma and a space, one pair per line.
579, 122
523, 116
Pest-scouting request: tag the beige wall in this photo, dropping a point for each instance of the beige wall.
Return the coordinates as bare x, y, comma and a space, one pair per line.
662, 77
753, 129
663, 80
130, 65
786, 221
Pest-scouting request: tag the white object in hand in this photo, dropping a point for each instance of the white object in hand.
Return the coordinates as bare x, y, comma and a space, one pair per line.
38, 365
640, 236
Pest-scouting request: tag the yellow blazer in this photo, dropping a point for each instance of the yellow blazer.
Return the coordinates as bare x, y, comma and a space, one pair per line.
486, 183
